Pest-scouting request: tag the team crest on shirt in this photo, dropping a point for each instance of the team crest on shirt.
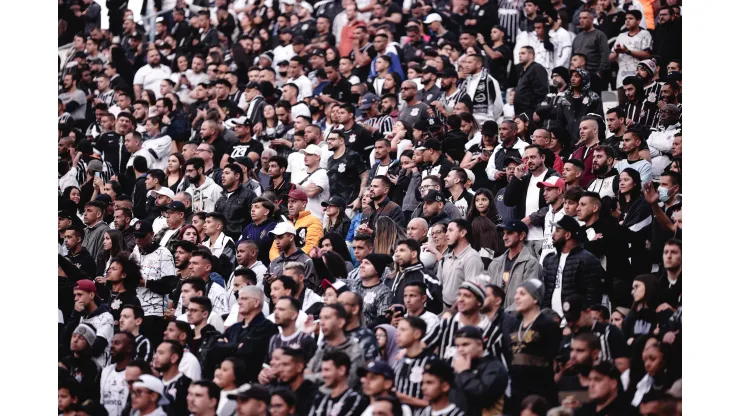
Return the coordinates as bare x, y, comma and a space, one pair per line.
369, 297
652, 97
342, 167
414, 112
429, 97
416, 374
304, 27
586, 100
352, 138
499, 197
481, 13
262, 234
115, 304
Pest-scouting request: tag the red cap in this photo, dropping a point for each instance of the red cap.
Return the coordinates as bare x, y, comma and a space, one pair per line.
87, 286
552, 182
298, 194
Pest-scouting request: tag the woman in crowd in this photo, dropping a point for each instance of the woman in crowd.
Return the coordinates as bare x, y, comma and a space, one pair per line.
121, 281
387, 234
229, 376
386, 336
189, 233
176, 179
642, 318
635, 219
72, 193
112, 246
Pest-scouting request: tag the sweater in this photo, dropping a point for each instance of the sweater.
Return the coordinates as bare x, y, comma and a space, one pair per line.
595, 46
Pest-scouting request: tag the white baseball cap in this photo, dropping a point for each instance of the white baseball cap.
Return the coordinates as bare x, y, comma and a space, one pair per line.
164, 191
154, 384
434, 17
311, 149
283, 228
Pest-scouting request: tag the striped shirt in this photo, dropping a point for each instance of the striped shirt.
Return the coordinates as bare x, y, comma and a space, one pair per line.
409, 372
643, 113
451, 410
449, 102
348, 403
299, 340
652, 92
106, 174
443, 337
508, 15
106, 97
143, 348
383, 124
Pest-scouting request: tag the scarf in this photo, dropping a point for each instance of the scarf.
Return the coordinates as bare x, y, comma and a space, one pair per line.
484, 95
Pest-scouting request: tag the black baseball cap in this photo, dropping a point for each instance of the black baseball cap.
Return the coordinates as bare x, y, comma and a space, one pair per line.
573, 306
252, 85
377, 367
571, 225
243, 160
440, 369
430, 70
448, 73
335, 201
512, 159
515, 225
469, 331
176, 206
434, 123
142, 228
433, 196
251, 391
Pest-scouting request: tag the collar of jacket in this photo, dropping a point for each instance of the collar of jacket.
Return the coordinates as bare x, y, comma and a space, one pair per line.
301, 215
238, 191
611, 172
381, 204
258, 319
417, 266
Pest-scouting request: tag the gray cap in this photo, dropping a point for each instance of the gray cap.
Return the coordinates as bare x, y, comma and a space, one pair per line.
535, 288
95, 166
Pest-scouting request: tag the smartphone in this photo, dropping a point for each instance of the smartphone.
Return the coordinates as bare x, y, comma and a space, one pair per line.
97, 174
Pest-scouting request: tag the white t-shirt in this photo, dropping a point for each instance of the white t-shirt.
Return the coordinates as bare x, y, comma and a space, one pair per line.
295, 165
320, 179
190, 366
557, 295
551, 220
627, 63
113, 390
149, 78
533, 205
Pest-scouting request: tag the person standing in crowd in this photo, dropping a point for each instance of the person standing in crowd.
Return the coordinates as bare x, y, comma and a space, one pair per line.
113, 387
588, 139
345, 169
235, 202
460, 263
313, 181
532, 87
604, 172
631, 144
577, 102
483, 89
285, 236
594, 45
376, 296
96, 318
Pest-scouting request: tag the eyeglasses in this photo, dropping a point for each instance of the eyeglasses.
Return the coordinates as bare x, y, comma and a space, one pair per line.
407, 88
438, 232
193, 310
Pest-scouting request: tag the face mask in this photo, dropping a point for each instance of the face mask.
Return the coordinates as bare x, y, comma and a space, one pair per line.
355, 97
663, 194
314, 109
283, 74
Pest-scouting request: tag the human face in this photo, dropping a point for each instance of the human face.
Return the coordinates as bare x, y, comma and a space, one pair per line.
282, 115
432, 387
671, 256
664, 16
587, 208
638, 291
131, 143
580, 353
525, 56
142, 398
330, 373
534, 160
198, 266
295, 207
64, 399
630, 142
552, 194
625, 183
374, 384
601, 162
416, 230
677, 148
585, 20
600, 387
481, 203
466, 302
511, 239
653, 358
617, 319
403, 256
71, 240
247, 304
523, 301
191, 234
414, 301
91, 215
469, 348
119, 346
277, 290
283, 242
114, 274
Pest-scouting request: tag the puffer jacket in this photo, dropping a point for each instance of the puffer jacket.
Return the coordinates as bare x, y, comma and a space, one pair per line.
571, 110
210, 335
525, 267
237, 210
480, 389
309, 231
582, 275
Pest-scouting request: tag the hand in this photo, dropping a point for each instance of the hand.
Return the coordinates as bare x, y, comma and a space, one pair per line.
100, 279
669, 337
649, 193
484, 157
520, 171
257, 129
629, 123
166, 119
213, 103
312, 187
315, 253
98, 183
461, 363
479, 37
526, 220
664, 307
201, 113
266, 375
310, 327
499, 175
356, 204
114, 178
79, 306
393, 178
430, 248
661, 104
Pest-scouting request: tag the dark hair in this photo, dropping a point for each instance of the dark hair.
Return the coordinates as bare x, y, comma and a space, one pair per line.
573, 194
157, 174
174, 345
635, 13
674, 242
250, 275
536, 404
129, 267
198, 284
241, 374
540, 149
464, 225
288, 283
236, 169
417, 323
266, 203
608, 150
142, 365
281, 161
205, 254
203, 301
339, 358
286, 395
187, 227
396, 407
136, 309
675, 177
338, 245
294, 303
412, 244
335, 264
196, 162
590, 339
214, 391
339, 310
486, 235
491, 213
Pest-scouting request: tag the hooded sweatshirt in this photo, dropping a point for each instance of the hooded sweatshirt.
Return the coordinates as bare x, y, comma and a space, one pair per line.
603, 184
205, 196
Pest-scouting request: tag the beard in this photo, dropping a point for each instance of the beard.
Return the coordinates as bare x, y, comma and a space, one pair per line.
183, 266
558, 244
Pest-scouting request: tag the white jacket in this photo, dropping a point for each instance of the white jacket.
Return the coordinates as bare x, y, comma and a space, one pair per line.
660, 144
205, 196
156, 152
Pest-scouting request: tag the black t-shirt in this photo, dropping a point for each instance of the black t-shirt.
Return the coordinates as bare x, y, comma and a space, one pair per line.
240, 149
498, 67
359, 140
344, 175
363, 72
342, 91
222, 146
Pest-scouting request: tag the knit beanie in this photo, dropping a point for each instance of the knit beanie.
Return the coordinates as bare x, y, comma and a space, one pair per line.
535, 288
87, 332
379, 261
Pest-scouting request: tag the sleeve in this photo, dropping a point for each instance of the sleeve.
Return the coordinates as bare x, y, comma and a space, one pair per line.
321, 180
313, 234
473, 267
139, 77
592, 278
647, 42
538, 217
513, 191
481, 386
617, 343
646, 174
604, 48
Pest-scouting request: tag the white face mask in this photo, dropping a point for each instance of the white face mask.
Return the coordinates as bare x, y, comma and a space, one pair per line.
663, 194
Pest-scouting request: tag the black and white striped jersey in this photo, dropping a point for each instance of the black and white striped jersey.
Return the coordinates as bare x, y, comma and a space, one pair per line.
409, 372
451, 410
143, 348
652, 92
349, 403
383, 123
444, 337
643, 113
106, 97
611, 339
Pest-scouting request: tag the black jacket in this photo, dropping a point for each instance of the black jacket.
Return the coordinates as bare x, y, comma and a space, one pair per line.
582, 275
341, 227
611, 245
570, 111
85, 262
482, 386
531, 89
209, 336
249, 343
515, 194
387, 208
237, 210
416, 273
139, 198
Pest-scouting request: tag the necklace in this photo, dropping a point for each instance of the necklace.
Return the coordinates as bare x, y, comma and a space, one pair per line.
529, 327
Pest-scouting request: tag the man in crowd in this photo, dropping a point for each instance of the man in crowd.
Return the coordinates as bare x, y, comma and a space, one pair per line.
460, 263
235, 202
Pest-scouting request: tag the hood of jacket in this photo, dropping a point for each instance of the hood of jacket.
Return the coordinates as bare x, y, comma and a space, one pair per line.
206, 185
608, 174
585, 81
102, 308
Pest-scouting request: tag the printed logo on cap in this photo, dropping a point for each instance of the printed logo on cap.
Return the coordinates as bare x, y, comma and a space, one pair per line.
137, 226
566, 306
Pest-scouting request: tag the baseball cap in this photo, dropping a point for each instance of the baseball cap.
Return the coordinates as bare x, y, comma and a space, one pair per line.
241, 121
311, 149
154, 384
283, 228
433, 196
434, 17
469, 331
434, 123
298, 194
339, 286
164, 191
448, 73
490, 128
440, 369
573, 306
512, 159
283, 63
95, 166
104, 198
368, 100
176, 206
335, 201
377, 367
430, 69
142, 228
251, 391
552, 182
86, 285
515, 226
570, 224
432, 144
66, 214
252, 85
